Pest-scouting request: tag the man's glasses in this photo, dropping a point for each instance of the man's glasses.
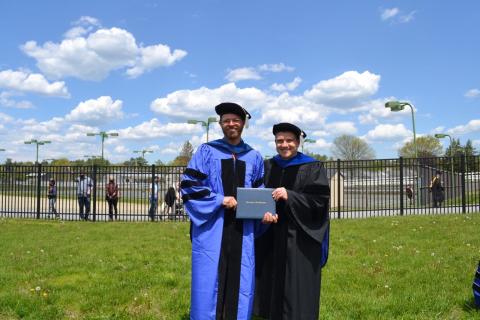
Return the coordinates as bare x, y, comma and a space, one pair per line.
234, 121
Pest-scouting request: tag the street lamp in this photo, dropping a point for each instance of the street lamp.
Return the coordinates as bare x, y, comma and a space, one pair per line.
205, 124
104, 135
399, 106
308, 140
143, 151
37, 143
444, 135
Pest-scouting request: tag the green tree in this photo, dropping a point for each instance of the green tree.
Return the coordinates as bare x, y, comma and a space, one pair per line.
317, 156
185, 155
348, 147
138, 161
159, 163
454, 148
427, 147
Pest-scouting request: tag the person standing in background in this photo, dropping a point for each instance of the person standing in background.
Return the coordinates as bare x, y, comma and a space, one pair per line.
84, 191
52, 198
111, 194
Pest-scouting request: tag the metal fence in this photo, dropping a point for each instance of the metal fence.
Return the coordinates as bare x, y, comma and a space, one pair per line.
363, 188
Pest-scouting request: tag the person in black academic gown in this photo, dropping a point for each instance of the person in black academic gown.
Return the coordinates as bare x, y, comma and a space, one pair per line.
290, 255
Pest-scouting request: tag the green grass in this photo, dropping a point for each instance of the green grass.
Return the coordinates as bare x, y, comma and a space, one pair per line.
415, 267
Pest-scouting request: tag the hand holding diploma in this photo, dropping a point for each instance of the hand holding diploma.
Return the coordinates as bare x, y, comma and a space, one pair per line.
280, 193
269, 218
229, 202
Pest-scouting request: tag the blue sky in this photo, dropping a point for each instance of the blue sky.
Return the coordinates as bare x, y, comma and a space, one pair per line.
143, 68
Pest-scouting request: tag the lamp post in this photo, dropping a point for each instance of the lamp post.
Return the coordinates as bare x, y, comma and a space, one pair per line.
205, 124
143, 151
441, 136
307, 140
399, 106
104, 135
444, 135
37, 143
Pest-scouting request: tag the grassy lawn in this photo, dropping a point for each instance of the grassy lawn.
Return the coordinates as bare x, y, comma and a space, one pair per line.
415, 267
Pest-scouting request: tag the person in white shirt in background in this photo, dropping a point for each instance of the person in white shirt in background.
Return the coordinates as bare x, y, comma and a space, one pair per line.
84, 191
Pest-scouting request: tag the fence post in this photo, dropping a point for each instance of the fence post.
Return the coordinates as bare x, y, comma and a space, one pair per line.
153, 213
464, 198
338, 189
39, 190
94, 196
401, 186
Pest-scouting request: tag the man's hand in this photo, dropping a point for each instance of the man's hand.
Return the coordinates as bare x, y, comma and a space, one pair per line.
229, 202
280, 193
269, 218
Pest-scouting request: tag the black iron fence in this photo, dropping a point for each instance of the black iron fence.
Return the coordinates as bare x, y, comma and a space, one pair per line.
361, 188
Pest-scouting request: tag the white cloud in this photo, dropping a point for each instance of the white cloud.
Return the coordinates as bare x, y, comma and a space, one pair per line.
6, 101
389, 13
242, 74
294, 109
156, 56
320, 145
5, 118
153, 129
471, 126
121, 149
32, 82
199, 103
278, 67
341, 127
287, 86
407, 17
96, 111
83, 26
387, 132
472, 93
393, 14
44, 127
94, 56
344, 90
254, 73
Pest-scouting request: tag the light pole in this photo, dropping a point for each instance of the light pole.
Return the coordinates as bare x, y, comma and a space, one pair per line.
399, 106
441, 136
104, 135
205, 124
143, 151
307, 140
37, 143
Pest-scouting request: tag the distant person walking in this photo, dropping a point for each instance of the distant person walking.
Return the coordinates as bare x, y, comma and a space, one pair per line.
111, 195
437, 190
52, 198
409, 192
84, 191
170, 201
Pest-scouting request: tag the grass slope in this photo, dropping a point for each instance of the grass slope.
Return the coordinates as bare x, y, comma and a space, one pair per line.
415, 267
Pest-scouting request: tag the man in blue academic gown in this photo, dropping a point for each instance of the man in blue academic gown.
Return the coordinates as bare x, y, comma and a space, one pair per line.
223, 260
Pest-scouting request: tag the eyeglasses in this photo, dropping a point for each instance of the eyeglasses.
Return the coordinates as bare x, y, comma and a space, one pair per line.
234, 121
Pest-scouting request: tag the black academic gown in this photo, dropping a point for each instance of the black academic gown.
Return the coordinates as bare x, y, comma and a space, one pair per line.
288, 270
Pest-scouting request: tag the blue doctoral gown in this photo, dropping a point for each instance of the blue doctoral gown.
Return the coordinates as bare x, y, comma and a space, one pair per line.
223, 259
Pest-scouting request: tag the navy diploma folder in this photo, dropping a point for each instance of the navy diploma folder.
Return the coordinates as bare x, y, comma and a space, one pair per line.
252, 203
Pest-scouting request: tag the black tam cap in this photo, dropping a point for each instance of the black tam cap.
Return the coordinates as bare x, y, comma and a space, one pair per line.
230, 107
288, 127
